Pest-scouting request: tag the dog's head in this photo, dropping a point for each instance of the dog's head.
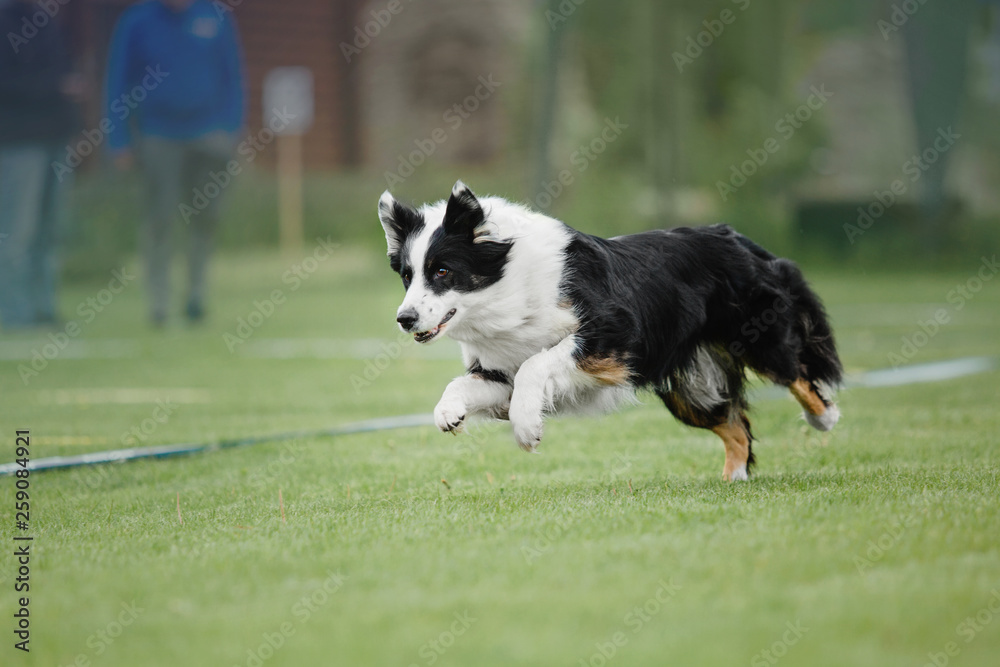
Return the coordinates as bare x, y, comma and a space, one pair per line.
446, 254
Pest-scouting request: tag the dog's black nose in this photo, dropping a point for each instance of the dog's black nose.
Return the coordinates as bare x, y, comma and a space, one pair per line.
407, 319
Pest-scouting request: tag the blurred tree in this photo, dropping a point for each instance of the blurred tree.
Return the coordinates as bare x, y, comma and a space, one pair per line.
548, 88
673, 67
348, 12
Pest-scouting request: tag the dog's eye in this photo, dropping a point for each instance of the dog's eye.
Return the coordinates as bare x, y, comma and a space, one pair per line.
441, 273
406, 279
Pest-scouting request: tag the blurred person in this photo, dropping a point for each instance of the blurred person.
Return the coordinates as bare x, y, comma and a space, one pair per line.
175, 72
38, 116
937, 46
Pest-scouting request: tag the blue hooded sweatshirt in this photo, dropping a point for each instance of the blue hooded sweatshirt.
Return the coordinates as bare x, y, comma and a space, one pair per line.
176, 75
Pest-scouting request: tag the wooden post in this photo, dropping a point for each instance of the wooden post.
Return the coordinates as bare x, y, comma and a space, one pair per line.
290, 89
290, 192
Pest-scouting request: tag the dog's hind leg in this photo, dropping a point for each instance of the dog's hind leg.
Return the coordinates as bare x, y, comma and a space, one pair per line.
709, 394
728, 422
814, 370
821, 413
737, 439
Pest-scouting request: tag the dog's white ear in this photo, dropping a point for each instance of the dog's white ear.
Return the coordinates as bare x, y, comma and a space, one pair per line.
398, 221
385, 205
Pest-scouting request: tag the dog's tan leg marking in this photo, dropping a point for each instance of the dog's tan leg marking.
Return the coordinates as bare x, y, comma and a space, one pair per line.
608, 370
807, 397
737, 441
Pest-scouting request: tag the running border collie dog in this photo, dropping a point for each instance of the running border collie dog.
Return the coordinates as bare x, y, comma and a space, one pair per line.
553, 320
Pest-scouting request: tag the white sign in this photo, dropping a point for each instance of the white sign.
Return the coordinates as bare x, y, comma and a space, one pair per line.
288, 91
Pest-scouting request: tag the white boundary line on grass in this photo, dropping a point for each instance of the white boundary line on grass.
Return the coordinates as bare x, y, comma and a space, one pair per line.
935, 371
920, 373
95, 348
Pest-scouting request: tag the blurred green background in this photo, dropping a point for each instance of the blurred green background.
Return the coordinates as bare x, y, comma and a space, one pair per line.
699, 87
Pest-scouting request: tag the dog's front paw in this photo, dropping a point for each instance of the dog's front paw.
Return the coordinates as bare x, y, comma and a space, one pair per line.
527, 424
449, 415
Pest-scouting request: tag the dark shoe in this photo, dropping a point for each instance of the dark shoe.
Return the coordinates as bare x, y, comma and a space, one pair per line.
49, 321
194, 312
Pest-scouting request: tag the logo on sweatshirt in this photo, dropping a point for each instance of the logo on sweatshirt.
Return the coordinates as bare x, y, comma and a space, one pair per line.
205, 27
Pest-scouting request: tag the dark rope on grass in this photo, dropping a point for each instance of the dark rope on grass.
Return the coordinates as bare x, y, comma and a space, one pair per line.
914, 374
165, 451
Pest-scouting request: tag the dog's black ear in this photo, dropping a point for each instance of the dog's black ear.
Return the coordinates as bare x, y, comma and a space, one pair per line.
398, 221
463, 214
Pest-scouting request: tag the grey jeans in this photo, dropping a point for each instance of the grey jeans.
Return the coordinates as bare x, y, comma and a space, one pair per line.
32, 206
180, 186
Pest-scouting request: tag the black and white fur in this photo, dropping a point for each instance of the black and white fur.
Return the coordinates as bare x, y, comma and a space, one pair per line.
552, 320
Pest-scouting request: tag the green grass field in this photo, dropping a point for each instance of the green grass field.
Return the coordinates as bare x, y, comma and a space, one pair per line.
873, 546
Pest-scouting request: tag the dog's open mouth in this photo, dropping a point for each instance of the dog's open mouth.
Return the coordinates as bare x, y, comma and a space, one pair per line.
425, 336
